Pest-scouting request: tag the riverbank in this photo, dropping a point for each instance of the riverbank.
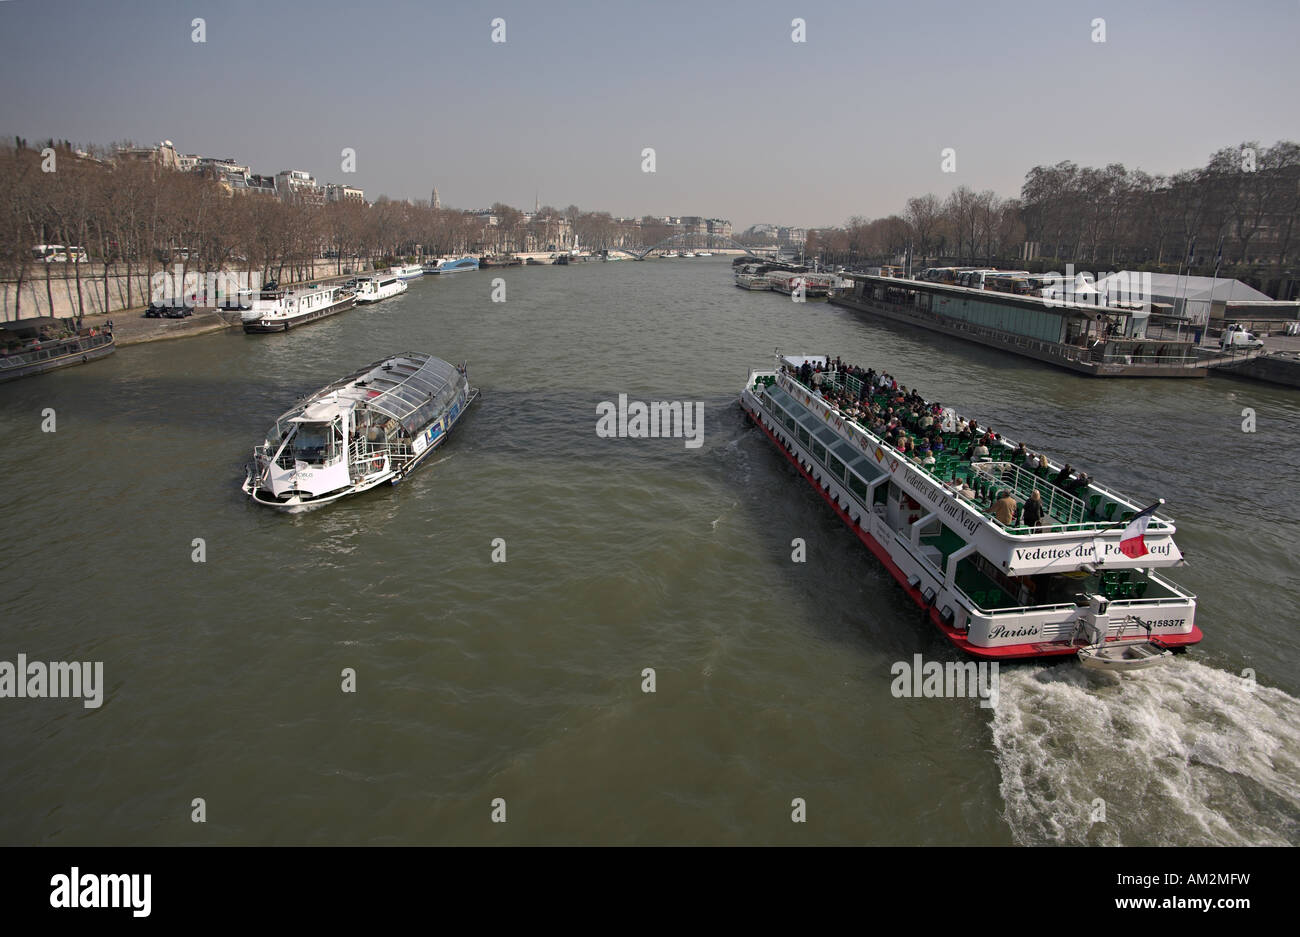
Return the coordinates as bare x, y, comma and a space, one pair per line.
131, 327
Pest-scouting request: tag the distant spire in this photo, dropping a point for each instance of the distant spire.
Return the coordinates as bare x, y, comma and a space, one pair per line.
437, 203
537, 202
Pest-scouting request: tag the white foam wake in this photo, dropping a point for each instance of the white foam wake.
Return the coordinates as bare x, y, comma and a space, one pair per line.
1183, 754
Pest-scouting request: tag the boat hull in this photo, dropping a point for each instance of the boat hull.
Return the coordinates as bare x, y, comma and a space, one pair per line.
955, 636
71, 358
284, 324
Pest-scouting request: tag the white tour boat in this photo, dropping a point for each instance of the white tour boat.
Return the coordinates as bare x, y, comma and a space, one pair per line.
995, 591
704, 254
279, 310
407, 271
374, 426
373, 289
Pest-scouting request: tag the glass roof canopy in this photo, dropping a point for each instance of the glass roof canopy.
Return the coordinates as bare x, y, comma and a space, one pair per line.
396, 387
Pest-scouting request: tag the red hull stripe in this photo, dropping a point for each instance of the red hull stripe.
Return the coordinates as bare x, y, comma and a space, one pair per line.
958, 638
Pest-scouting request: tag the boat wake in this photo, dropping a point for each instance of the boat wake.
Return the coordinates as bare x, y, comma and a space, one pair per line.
1195, 756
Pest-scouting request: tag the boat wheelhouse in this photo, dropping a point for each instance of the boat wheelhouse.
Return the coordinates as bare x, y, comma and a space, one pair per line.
279, 310
458, 265
407, 271
373, 426
34, 346
373, 289
994, 590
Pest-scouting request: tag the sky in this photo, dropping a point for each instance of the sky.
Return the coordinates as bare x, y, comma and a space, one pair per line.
745, 123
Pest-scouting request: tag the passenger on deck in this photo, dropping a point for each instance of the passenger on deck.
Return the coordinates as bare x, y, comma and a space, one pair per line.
1004, 509
1034, 509
978, 451
1063, 475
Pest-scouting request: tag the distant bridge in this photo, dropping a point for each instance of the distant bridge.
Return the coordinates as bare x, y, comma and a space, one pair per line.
696, 242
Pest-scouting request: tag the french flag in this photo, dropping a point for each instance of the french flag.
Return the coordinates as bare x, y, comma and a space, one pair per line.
1131, 544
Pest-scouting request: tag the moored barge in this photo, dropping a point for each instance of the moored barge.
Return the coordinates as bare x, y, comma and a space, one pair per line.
1092, 339
280, 310
34, 346
995, 590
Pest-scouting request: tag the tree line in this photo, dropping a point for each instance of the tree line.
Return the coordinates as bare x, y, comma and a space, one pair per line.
136, 218
1240, 212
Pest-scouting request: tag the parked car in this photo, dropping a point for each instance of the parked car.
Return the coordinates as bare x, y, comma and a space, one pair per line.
172, 310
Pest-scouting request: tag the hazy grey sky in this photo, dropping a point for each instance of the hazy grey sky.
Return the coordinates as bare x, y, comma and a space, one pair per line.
746, 124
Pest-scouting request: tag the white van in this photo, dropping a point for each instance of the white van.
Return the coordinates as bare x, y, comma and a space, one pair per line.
1236, 336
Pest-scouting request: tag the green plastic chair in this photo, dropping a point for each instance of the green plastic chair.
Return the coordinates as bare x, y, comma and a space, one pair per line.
1110, 510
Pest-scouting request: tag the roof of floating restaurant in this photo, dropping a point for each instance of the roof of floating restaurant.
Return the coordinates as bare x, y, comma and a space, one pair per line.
1056, 307
396, 386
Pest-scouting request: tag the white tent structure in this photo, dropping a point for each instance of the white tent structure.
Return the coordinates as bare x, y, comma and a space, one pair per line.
1192, 298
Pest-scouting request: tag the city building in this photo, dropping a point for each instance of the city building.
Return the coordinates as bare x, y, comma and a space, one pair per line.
164, 154
334, 192
300, 186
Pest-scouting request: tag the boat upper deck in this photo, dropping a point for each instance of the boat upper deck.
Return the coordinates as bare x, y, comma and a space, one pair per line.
411, 388
1079, 527
1095, 508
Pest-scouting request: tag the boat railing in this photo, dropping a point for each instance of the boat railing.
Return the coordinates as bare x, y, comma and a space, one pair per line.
1018, 610
848, 383
1066, 508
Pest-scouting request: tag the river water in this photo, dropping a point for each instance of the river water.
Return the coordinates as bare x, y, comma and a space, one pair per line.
523, 680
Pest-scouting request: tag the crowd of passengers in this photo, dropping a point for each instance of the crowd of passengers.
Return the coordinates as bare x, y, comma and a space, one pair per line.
914, 427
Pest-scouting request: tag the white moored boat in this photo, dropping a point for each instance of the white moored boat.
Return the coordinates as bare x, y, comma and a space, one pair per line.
279, 310
998, 591
753, 281
373, 289
374, 426
407, 271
